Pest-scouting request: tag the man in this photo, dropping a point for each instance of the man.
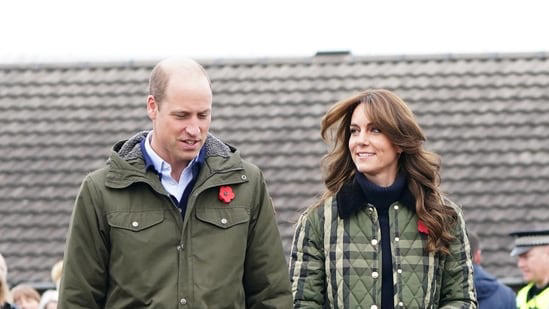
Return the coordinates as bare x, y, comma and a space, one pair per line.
532, 249
490, 292
176, 219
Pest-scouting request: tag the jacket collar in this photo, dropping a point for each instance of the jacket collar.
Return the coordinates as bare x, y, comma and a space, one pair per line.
126, 164
155, 162
350, 199
131, 149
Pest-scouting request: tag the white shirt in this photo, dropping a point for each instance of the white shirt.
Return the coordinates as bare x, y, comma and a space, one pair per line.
164, 168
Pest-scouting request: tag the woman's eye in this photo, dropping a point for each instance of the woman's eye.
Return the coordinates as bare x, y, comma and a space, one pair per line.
353, 130
376, 130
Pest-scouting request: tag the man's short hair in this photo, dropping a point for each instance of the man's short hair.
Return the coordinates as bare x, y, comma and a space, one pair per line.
158, 82
161, 73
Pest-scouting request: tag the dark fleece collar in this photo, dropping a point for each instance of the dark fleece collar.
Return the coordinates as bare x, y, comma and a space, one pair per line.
351, 198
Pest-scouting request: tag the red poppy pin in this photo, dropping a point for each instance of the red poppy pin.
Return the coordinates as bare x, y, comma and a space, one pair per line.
226, 194
422, 228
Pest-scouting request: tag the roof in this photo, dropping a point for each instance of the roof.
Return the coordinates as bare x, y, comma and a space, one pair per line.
487, 115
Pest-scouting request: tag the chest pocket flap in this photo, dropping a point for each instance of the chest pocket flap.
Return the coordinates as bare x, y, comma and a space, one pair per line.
135, 221
223, 217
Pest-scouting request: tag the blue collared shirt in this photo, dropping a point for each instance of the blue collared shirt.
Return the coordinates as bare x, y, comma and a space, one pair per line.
178, 190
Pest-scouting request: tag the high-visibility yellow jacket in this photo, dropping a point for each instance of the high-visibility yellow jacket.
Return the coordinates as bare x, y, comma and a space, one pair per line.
540, 301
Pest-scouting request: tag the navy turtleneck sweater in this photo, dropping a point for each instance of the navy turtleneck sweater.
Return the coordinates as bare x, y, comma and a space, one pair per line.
382, 198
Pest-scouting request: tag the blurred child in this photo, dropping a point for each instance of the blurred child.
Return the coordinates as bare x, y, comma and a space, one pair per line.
25, 297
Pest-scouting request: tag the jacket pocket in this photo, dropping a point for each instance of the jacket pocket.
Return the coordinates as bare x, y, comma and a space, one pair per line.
223, 217
136, 238
135, 221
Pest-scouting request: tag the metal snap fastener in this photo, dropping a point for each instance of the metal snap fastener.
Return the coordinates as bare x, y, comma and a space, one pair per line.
397, 239
374, 242
375, 275
135, 224
243, 177
396, 207
224, 221
183, 301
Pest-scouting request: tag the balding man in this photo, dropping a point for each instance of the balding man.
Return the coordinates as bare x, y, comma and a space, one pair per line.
176, 219
532, 249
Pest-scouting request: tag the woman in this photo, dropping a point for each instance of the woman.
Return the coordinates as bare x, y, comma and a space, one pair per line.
382, 235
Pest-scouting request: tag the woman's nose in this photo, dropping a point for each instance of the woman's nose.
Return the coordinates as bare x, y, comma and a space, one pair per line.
364, 138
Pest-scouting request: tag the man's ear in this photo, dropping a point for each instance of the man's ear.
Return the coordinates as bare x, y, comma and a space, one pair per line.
152, 107
477, 257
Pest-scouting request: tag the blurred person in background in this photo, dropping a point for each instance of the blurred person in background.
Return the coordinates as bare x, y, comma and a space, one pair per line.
490, 292
49, 300
532, 249
50, 297
5, 295
25, 296
56, 272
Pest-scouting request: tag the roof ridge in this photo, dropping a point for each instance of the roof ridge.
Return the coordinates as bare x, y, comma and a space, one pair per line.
212, 62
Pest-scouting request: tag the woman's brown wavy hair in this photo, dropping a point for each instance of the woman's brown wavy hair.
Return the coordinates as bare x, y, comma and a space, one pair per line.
394, 118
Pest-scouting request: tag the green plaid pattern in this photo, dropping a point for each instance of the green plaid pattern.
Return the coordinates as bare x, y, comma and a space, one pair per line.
336, 263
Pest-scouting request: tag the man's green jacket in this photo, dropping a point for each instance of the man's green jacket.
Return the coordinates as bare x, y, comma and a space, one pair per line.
129, 247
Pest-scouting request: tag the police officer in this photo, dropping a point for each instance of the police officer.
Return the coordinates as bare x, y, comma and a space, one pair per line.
532, 250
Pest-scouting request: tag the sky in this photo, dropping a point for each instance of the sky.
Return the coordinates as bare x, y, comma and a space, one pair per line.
39, 31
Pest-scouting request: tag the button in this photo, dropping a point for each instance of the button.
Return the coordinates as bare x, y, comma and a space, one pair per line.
243, 177
183, 301
135, 224
370, 210
375, 275
397, 239
224, 221
396, 207
374, 242
400, 304
399, 271
373, 307
179, 247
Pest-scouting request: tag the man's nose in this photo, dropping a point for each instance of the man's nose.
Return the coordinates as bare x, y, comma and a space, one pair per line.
192, 130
